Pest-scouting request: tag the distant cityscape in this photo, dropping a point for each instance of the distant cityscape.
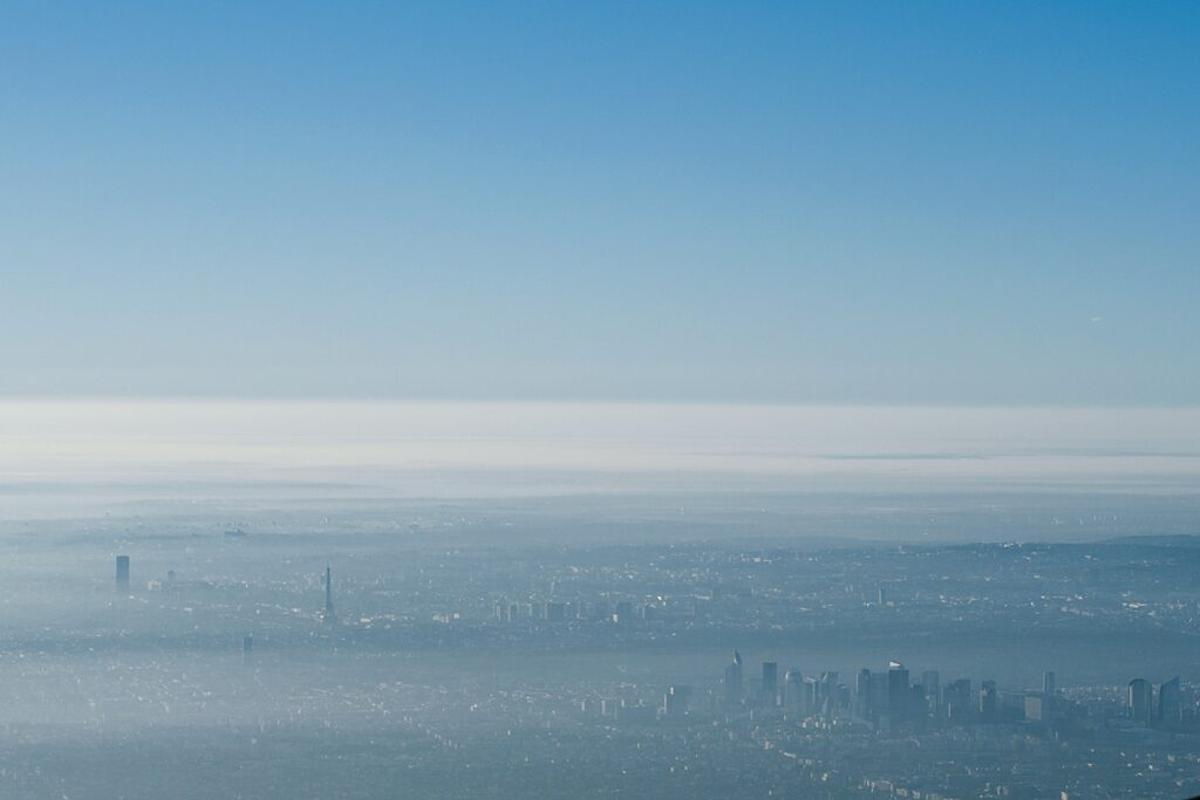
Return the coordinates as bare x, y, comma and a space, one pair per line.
836, 731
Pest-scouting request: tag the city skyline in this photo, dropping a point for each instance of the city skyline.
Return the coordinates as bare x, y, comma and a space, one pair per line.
673, 399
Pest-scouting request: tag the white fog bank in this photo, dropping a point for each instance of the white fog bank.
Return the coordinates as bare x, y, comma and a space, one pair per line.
57, 453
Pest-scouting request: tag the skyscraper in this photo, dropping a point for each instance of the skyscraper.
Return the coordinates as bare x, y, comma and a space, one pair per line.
862, 695
827, 705
733, 681
989, 702
247, 648
123, 573
898, 694
931, 684
770, 683
956, 701
1139, 701
1170, 708
1047, 695
328, 613
793, 691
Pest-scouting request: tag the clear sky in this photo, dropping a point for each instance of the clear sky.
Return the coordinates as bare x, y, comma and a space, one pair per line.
977, 203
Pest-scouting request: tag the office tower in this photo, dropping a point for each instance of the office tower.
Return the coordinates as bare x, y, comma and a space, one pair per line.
247, 648
733, 681
879, 697
989, 706
882, 596
898, 694
1048, 690
956, 701
862, 695
827, 703
123, 573
328, 614
917, 708
1170, 708
931, 685
1140, 698
770, 683
810, 695
793, 691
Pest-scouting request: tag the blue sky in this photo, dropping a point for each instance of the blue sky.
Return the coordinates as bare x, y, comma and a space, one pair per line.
815, 203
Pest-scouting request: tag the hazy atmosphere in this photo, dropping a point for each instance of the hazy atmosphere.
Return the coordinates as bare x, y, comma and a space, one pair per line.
490, 401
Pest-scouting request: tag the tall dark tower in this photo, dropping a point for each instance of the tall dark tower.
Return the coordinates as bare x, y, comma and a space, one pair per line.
733, 681
123, 573
899, 695
769, 693
1048, 694
328, 614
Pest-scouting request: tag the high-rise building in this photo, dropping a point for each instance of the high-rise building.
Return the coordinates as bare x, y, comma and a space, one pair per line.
793, 691
1141, 695
917, 707
828, 702
328, 613
770, 683
956, 701
247, 648
879, 696
1048, 690
123, 573
863, 708
931, 683
898, 694
733, 681
1170, 707
989, 702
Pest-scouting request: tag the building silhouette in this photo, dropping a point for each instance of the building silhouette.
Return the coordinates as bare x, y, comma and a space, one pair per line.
123, 573
1141, 695
1170, 707
956, 701
931, 686
898, 694
989, 705
793, 692
770, 683
828, 699
733, 681
1048, 690
327, 615
863, 707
